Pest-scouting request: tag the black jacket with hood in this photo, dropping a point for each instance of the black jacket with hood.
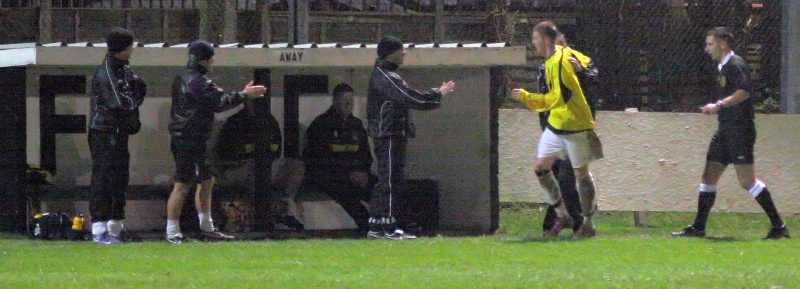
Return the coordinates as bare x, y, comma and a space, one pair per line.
389, 100
116, 95
195, 99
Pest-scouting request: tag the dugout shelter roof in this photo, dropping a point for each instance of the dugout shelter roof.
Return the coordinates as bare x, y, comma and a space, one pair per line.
267, 55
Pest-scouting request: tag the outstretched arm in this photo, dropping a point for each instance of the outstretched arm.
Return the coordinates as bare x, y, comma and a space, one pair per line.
208, 93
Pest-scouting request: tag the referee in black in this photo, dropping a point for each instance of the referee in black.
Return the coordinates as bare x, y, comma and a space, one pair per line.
735, 137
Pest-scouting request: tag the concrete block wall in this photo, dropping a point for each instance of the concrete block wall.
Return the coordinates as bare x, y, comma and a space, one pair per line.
653, 161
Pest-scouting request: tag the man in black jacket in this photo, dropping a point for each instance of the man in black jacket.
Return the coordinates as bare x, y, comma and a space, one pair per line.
195, 99
337, 156
117, 93
388, 102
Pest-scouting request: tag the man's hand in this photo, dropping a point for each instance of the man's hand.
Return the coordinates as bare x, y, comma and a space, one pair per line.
360, 179
254, 91
576, 64
711, 108
447, 87
515, 93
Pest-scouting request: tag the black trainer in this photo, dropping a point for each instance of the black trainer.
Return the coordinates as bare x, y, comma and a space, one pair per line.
558, 224
689, 231
584, 232
777, 233
215, 235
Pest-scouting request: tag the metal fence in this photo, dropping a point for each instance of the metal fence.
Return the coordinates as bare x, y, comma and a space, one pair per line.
102, 4
650, 52
314, 5
653, 55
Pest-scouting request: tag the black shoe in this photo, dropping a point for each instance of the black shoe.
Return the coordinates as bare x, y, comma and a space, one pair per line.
215, 235
559, 224
777, 233
689, 231
584, 232
577, 223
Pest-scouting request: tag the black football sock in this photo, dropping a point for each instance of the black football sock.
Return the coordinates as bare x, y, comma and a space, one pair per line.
765, 200
704, 204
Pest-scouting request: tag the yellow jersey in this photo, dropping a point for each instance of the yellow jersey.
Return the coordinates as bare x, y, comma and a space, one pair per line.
569, 111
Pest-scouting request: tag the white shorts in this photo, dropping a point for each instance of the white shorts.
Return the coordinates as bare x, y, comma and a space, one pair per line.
576, 146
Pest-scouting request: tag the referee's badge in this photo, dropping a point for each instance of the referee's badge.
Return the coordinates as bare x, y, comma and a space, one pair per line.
722, 81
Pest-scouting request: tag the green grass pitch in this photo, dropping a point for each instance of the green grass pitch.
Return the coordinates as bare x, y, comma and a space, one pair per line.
621, 256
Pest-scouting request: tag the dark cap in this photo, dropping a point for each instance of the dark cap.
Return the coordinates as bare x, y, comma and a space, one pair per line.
201, 50
119, 39
389, 45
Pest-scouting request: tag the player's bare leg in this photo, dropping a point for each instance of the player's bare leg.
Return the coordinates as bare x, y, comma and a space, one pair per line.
174, 208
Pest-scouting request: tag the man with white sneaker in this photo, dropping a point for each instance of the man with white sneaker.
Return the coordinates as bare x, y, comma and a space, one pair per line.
195, 99
116, 95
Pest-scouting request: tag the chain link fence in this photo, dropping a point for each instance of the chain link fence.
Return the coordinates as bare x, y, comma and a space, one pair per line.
651, 53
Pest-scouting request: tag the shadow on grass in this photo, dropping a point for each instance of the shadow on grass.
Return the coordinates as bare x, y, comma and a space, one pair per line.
523, 240
721, 239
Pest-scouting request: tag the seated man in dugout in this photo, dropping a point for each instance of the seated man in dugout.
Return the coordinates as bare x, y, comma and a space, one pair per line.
338, 158
249, 143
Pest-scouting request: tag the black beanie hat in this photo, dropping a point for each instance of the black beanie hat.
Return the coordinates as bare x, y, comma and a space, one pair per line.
119, 39
388, 45
201, 50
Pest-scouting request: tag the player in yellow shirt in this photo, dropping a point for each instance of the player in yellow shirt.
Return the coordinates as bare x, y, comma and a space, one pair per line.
569, 128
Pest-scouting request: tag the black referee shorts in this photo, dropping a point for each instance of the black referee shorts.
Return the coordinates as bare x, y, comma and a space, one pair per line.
191, 160
733, 144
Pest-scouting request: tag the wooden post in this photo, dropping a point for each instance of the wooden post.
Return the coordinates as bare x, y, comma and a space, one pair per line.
229, 22
640, 219
46, 22
204, 24
291, 34
439, 36
323, 32
266, 27
128, 19
77, 25
790, 52
379, 32
164, 25
298, 21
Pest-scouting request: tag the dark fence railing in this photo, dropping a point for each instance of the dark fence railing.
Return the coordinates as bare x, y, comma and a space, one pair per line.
427, 6
650, 52
103, 4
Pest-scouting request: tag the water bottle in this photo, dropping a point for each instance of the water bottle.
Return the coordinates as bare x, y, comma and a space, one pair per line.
77, 222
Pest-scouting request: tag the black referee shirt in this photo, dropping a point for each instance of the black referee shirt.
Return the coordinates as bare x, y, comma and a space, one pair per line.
735, 76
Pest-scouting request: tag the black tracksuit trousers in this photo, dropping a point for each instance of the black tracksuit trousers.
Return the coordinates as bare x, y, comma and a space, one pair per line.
110, 175
391, 155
